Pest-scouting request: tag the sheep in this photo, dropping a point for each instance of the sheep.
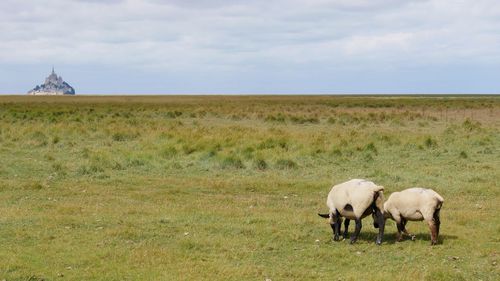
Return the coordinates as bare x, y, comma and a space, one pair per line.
415, 204
354, 200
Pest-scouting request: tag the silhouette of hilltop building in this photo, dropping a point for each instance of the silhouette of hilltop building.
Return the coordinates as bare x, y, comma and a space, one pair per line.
54, 85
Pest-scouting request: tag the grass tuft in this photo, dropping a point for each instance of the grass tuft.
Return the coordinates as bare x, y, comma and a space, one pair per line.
231, 162
286, 164
471, 125
371, 148
430, 142
261, 164
168, 152
123, 136
34, 185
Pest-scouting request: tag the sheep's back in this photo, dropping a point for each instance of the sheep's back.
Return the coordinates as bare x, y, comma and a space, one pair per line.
357, 193
404, 204
413, 203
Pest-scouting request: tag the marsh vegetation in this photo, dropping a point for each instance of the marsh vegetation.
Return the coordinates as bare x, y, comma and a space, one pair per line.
225, 187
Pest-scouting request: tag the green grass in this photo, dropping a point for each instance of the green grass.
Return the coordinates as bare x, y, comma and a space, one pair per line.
227, 188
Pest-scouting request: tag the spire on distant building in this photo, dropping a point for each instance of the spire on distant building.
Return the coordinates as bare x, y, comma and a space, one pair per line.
54, 85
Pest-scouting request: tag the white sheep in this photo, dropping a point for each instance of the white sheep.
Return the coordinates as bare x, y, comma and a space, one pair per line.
415, 204
355, 199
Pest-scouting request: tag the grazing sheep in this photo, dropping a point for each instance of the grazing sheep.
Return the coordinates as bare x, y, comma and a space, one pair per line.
354, 200
415, 204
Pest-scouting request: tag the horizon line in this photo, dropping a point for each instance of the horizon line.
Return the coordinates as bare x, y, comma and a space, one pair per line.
260, 94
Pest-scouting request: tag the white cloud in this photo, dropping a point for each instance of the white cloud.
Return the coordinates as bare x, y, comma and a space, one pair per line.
189, 35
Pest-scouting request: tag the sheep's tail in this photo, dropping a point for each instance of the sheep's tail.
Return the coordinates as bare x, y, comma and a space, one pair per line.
440, 201
326, 216
379, 198
439, 198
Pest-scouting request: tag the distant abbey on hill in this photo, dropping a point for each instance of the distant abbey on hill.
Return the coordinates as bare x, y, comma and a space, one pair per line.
53, 86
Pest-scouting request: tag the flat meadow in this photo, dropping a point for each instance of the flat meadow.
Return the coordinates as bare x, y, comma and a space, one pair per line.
229, 187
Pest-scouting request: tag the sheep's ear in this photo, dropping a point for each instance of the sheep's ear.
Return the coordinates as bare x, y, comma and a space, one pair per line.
326, 216
381, 187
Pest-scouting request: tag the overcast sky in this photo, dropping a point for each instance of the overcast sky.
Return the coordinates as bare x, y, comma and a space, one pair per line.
236, 46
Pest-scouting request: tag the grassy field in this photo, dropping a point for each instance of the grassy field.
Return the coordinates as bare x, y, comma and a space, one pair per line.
228, 187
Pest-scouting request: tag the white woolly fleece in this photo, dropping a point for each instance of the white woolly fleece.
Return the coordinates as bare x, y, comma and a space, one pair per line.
358, 193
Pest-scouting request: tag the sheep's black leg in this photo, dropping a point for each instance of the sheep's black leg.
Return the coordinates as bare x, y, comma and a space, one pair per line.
399, 225
374, 216
437, 221
354, 236
435, 230
333, 225
346, 228
403, 223
378, 219
381, 225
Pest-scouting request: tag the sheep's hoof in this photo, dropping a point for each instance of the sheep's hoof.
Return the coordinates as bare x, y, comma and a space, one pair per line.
433, 243
352, 241
413, 237
336, 238
378, 242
